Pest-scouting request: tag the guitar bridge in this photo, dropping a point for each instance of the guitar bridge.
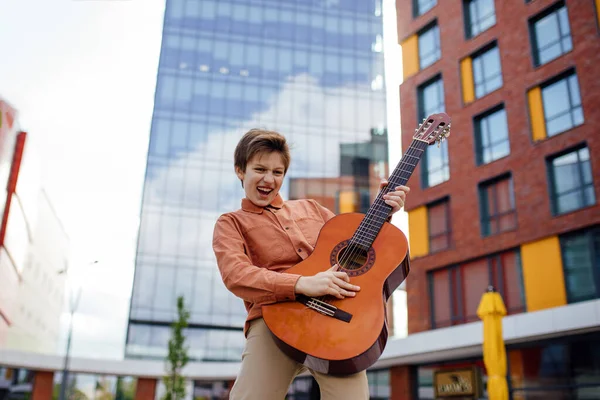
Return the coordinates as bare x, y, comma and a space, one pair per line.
324, 308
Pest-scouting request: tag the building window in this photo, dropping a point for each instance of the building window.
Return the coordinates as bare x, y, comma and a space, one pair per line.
439, 226
497, 206
455, 292
550, 34
562, 104
422, 6
480, 15
581, 263
571, 184
435, 166
487, 72
429, 46
491, 136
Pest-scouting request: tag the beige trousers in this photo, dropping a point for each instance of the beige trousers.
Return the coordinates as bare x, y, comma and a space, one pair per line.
266, 372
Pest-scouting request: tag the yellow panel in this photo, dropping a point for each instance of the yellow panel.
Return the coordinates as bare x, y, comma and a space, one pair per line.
418, 232
543, 275
536, 114
468, 87
347, 202
598, 11
410, 56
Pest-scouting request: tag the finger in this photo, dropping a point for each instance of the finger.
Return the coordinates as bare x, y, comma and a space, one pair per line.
383, 184
346, 293
334, 267
346, 285
403, 188
341, 275
334, 292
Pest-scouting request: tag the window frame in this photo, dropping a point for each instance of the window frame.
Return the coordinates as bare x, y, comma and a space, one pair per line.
554, 8
563, 76
487, 217
589, 234
424, 169
468, 23
552, 180
496, 277
417, 12
445, 201
480, 53
432, 25
478, 142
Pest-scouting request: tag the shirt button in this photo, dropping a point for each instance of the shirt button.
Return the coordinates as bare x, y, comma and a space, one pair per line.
299, 250
287, 227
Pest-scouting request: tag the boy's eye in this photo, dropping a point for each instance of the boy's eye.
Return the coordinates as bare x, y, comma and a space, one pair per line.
259, 169
278, 173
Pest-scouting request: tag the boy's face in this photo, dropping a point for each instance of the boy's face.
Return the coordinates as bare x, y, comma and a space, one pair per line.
263, 178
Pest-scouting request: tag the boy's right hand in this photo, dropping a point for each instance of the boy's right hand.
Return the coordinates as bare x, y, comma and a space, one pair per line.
331, 282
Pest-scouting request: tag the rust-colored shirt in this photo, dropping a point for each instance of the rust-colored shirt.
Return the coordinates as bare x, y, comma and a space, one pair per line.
254, 247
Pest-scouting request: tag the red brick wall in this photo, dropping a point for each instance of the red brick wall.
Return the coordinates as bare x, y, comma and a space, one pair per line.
401, 383
146, 389
527, 160
42, 385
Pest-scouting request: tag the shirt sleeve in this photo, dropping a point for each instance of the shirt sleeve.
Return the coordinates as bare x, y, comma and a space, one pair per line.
249, 282
325, 212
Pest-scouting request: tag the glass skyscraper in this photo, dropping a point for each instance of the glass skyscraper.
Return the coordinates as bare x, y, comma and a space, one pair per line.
310, 69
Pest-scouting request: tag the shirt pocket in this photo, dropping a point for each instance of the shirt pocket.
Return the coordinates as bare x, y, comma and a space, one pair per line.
310, 228
265, 245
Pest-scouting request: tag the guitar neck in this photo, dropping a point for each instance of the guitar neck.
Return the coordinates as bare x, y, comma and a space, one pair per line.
379, 211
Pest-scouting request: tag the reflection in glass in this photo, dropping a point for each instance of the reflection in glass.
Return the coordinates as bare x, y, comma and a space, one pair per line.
480, 15
571, 180
435, 166
552, 36
562, 105
311, 70
491, 136
487, 73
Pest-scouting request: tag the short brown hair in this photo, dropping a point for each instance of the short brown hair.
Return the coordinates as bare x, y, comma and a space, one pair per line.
257, 141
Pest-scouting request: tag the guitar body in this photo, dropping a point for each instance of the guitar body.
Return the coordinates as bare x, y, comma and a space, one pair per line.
353, 342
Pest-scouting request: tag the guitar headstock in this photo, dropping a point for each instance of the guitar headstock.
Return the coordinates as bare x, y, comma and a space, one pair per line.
435, 128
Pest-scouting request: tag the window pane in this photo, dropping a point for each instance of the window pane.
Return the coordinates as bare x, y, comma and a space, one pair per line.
424, 5
429, 46
562, 105
441, 298
513, 293
552, 36
438, 227
481, 15
578, 266
492, 137
487, 73
572, 179
475, 280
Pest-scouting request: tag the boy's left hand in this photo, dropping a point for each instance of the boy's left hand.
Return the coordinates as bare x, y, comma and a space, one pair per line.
396, 198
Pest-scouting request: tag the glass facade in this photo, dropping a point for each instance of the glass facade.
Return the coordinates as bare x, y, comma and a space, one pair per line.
310, 69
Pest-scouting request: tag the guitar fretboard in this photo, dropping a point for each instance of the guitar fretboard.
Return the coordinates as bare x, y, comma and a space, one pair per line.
379, 211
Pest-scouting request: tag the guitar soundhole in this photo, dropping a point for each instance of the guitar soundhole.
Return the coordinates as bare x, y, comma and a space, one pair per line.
354, 259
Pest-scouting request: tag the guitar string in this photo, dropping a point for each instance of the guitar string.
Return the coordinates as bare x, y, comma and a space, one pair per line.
348, 256
411, 151
377, 206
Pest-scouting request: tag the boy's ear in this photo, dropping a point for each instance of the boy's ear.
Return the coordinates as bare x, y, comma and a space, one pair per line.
240, 174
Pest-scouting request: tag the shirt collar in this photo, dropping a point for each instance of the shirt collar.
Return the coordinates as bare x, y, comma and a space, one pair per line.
249, 206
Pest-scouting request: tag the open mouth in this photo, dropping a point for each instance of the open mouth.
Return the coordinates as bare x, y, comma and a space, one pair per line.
263, 191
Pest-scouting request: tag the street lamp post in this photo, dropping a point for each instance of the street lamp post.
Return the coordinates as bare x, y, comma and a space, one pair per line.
74, 303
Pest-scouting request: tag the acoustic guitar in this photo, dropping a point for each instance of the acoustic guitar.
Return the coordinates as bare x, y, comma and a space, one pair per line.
344, 336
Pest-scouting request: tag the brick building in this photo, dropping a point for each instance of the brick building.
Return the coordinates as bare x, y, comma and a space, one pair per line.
511, 199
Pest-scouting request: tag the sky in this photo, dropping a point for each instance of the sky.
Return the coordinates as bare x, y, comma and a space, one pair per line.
82, 74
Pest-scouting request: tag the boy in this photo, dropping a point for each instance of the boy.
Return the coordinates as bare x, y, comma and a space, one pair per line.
255, 245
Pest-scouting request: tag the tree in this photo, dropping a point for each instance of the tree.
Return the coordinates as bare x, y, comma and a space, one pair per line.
178, 355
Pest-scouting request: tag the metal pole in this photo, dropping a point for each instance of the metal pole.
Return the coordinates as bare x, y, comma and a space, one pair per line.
65, 371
